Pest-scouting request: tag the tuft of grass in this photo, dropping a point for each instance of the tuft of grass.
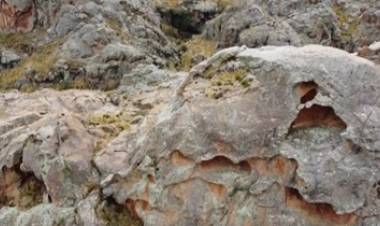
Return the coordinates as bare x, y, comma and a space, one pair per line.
348, 24
225, 81
229, 78
20, 42
194, 47
113, 125
171, 4
223, 4
119, 121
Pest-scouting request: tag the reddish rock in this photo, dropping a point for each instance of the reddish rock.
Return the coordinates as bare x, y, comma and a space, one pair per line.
17, 15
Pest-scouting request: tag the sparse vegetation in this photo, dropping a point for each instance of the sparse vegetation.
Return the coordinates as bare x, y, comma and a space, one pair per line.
171, 4
194, 47
224, 3
348, 24
116, 25
225, 81
112, 125
40, 63
16, 41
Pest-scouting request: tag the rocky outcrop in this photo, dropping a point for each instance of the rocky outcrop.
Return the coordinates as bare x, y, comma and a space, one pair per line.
190, 120
280, 148
343, 24
91, 44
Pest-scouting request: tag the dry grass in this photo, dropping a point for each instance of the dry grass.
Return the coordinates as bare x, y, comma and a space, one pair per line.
171, 4
225, 81
348, 24
18, 42
40, 62
112, 125
194, 47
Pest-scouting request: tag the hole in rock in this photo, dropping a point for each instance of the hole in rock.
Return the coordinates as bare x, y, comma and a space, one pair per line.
20, 189
185, 22
318, 116
317, 212
306, 91
222, 162
113, 213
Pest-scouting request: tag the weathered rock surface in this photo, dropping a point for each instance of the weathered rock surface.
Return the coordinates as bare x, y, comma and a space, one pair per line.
266, 136
283, 149
343, 24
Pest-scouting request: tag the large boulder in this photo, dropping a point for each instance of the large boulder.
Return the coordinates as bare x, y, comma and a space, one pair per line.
276, 136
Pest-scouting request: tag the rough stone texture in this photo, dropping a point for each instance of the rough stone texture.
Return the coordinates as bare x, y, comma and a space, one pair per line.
284, 150
267, 136
343, 24
8, 59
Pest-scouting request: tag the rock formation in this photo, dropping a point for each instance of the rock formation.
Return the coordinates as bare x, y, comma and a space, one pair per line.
189, 112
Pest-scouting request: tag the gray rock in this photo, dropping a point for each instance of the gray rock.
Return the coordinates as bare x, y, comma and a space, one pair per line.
9, 59
288, 132
68, 20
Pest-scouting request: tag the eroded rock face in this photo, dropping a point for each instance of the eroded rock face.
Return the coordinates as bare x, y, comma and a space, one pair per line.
276, 146
17, 15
